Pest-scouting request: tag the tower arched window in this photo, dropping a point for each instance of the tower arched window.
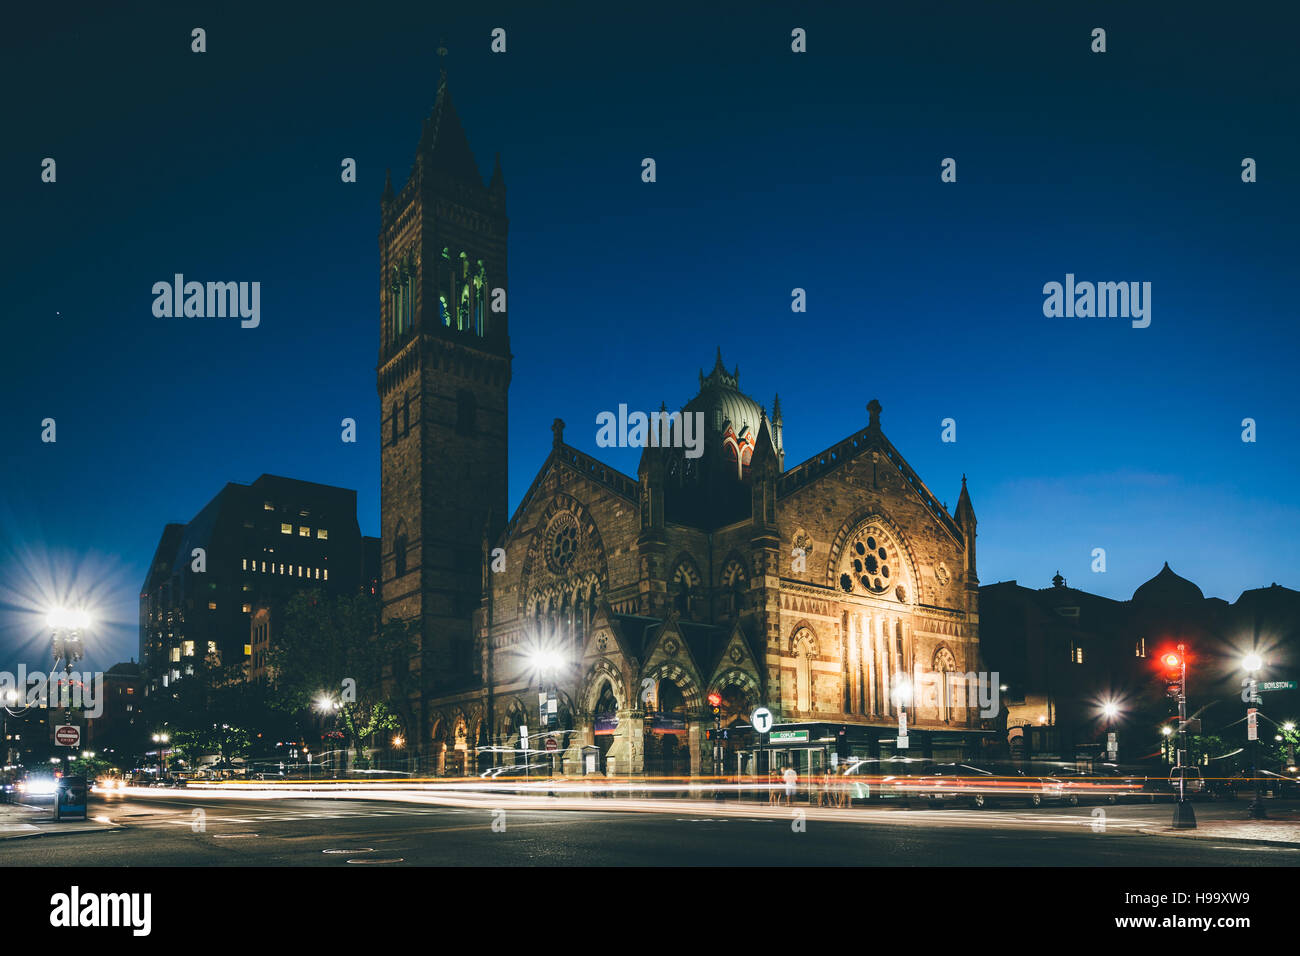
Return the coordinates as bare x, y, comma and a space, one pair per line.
394, 438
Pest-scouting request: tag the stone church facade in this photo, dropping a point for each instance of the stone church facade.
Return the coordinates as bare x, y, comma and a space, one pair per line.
819, 591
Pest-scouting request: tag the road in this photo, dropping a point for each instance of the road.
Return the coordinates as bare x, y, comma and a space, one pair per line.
178, 828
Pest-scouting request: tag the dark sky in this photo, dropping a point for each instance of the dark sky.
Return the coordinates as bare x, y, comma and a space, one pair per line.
775, 170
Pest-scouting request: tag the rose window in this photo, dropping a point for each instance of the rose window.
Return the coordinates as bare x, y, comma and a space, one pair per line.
563, 546
870, 565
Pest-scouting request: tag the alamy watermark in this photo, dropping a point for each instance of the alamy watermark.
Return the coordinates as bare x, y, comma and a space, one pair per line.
1117, 300
660, 429
84, 690
210, 300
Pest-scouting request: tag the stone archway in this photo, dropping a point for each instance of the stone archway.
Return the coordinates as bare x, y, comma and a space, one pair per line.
673, 727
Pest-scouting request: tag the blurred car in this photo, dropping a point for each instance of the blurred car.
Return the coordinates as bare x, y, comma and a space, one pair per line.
1091, 785
110, 784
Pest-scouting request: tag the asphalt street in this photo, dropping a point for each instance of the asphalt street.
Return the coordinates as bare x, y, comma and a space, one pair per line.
203, 830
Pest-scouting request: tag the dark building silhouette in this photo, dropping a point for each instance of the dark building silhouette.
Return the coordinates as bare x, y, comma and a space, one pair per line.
1063, 653
258, 544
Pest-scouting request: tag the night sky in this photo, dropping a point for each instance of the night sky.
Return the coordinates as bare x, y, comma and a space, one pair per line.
775, 171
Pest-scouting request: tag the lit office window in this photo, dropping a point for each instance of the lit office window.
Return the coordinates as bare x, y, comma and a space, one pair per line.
176, 655
187, 648
327, 574
263, 567
318, 574
267, 506
212, 647
322, 534
286, 528
304, 531
248, 608
212, 605
248, 650
245, 564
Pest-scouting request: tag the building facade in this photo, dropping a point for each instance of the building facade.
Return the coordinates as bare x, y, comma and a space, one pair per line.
823, 591
251, 545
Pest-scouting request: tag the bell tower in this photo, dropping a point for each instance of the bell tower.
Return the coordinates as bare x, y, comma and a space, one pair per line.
443, 377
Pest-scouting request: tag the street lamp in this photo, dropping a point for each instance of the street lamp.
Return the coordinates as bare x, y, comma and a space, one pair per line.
902, 697
162, 740
325, 705
1251, 663
546, 663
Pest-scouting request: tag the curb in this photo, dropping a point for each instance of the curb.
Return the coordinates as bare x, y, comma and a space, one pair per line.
41, 833
1190, 835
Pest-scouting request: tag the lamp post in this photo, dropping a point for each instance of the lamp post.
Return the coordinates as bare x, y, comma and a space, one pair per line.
67, 645
162, 741
546, 663
326, 705
1252, 663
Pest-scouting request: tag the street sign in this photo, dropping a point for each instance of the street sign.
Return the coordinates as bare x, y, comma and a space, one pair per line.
1278, 685
789, 737
1192, 725
761, 719
523, 735
901, 743
67, 735
902, 723
1252, 724
551, 744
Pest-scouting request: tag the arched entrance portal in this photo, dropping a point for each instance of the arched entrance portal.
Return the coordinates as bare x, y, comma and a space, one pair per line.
667, 747
605, 721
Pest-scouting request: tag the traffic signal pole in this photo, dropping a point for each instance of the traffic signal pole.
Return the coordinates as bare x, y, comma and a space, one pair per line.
1184, 815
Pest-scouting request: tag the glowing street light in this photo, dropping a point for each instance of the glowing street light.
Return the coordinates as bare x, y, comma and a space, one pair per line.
1252, 663
1110, 708
1167, 730
66, 627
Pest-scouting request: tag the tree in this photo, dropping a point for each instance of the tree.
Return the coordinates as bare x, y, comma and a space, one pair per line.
335, 648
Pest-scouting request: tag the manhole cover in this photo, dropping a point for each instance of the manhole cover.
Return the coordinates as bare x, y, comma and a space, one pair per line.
394, 859
360, 849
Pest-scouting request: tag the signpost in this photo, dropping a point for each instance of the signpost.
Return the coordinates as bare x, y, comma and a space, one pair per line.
67, 735
761, 718
1252, 723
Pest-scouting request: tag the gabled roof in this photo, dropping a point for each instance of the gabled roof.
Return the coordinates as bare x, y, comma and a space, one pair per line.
869, 439
581, 464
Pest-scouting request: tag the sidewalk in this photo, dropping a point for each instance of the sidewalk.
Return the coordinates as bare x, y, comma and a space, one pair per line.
1282, 828
19, 820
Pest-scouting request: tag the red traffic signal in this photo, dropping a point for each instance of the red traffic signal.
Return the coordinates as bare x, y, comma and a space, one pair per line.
715, 699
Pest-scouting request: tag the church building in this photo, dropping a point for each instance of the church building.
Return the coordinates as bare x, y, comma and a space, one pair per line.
835, 593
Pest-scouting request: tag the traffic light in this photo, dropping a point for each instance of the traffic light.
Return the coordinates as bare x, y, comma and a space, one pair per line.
1172, 663
842, 742
715, 704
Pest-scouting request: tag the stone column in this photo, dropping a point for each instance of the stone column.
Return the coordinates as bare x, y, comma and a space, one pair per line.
627, 749
869, 657
695, 740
